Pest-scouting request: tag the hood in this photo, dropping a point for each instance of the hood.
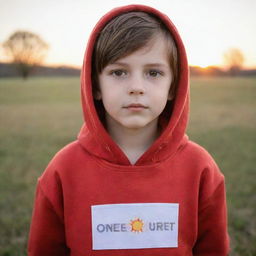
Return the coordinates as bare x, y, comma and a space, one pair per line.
95, 139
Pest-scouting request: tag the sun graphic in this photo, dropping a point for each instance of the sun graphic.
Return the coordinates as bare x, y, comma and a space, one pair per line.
137, 225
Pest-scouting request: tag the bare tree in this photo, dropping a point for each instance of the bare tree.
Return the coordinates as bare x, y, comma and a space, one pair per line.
26, 50
234, 58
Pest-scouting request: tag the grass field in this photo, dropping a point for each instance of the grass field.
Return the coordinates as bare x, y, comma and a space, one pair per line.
41, 115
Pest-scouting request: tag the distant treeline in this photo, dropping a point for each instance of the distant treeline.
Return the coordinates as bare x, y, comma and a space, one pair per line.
9, 70
215, 71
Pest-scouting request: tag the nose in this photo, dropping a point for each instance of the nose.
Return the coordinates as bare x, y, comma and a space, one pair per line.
136, 86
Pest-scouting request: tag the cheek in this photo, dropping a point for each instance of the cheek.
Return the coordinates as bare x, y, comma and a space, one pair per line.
110, 102
161, 105
160, 100
109, 95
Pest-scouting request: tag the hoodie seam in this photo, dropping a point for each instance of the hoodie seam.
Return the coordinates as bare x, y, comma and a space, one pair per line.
134, 168
49, 201
208, 201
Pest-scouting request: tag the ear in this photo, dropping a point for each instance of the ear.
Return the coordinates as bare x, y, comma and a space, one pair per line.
97, 95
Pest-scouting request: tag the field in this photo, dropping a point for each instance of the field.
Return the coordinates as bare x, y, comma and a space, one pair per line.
41, 115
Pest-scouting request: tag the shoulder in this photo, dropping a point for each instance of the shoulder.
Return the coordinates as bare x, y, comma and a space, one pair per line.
201, 160
67, 154
198, 155
195, 150
60, 168
63, 161
201, 163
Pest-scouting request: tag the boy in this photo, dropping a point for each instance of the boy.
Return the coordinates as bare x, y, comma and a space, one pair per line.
132, 184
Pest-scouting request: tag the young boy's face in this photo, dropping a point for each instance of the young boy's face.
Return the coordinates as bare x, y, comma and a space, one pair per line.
134, 90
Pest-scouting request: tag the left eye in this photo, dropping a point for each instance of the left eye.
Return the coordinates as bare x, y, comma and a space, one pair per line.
118, 73
154, 73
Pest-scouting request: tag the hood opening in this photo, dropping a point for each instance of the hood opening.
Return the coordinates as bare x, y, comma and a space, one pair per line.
173, 120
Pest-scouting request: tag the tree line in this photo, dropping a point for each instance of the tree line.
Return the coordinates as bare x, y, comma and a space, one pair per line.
27, 51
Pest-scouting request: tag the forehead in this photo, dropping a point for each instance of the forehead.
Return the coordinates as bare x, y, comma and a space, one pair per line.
155, 51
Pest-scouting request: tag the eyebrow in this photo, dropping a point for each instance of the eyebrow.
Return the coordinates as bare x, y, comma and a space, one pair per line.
156, 64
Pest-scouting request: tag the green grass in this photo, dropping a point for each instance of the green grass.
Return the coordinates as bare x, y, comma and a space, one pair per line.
41, 115
223, 120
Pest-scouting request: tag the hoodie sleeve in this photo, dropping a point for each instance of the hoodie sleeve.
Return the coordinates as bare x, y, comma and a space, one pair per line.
47, 232
212, 236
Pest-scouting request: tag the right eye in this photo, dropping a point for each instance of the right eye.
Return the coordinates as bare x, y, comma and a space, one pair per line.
118, 73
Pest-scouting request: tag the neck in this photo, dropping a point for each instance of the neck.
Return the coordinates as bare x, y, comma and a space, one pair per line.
133, 142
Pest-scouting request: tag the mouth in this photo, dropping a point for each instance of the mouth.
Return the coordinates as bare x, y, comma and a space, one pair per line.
135, 106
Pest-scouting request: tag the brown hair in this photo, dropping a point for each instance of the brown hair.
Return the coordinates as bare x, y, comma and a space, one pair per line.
124, 35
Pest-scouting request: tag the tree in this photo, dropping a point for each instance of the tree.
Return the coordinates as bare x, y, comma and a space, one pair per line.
234, 58
27, 50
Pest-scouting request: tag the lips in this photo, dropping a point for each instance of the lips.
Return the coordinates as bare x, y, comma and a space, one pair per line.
136, 106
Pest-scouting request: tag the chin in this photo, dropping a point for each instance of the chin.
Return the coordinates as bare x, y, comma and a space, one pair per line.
135, 125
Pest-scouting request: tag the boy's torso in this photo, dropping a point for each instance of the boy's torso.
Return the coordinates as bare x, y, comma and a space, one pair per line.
107, 207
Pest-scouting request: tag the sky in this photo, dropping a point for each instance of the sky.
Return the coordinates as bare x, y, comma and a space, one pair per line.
208, 27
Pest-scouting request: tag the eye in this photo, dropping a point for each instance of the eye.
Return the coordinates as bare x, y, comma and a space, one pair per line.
155, 73
118, 73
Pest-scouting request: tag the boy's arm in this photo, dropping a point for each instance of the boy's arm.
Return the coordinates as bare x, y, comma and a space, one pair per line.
212, 225
47, 233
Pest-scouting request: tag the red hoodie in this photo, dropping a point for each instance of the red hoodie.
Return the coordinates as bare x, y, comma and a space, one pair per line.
91, 200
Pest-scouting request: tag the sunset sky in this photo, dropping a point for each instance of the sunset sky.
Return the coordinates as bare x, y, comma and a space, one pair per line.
208, 27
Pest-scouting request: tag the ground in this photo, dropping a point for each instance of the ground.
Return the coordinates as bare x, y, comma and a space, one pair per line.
41, 115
